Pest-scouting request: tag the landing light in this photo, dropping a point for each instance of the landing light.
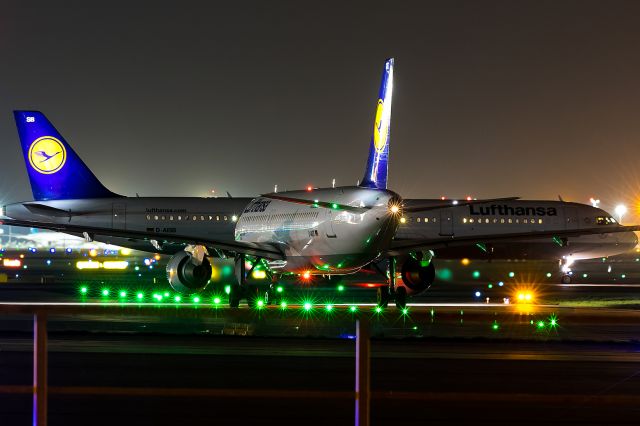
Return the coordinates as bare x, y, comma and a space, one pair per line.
394, 208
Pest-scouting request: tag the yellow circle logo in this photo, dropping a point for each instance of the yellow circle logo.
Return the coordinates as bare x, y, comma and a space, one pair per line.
380, 128
47, 155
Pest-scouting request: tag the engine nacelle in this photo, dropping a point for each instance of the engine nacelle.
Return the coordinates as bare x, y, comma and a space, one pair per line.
417, 276
187, 277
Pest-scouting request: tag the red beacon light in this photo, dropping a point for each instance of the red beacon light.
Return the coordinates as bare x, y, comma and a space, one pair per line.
306, 275
309, 188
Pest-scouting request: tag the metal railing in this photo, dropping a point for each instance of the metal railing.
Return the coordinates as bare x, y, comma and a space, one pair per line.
41, 312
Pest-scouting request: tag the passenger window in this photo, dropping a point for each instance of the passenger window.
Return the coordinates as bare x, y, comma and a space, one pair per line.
418, 220
179, 217
510, 220
170, 217
225, 218
471, 220
148, 217
217, 217
502, 220
464, 220
539, 220
525, 221
163, 217
155, 218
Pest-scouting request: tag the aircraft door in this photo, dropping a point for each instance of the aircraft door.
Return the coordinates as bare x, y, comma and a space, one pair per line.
119, 216
571, 217
328, 224
446, 222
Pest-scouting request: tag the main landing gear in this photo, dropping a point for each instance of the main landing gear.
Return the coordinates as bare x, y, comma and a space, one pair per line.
392, 292
242, 290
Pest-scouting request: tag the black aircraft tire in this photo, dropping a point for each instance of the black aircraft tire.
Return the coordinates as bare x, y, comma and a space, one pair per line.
234, 296
382, 298
566, 279
401, 298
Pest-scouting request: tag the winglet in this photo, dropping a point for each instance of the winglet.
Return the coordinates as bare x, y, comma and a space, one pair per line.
375, 175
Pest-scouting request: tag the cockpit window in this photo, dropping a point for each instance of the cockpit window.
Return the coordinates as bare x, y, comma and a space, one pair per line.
604, 220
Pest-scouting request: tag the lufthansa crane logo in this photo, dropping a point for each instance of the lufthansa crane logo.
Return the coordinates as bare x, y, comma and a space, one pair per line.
47, 155
380, 128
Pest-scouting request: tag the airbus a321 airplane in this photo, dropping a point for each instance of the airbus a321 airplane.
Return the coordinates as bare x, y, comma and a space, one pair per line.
308, 232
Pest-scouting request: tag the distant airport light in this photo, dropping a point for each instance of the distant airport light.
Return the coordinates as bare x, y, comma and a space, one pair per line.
87, 264
620, 210
120, 264
341, 288
306, 275
93, 252
512, 274
279, 289
11, 263
594, 202
465, 261
259, 274
309, 188
454, 202
125, 252
69, 250
403, 220
477, 294
52, 250
234, 218
469, 198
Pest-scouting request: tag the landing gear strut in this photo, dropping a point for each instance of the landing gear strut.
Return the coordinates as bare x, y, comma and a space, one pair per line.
391, 291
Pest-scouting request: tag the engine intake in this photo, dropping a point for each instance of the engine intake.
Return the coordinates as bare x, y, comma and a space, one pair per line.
187, 277
416, 276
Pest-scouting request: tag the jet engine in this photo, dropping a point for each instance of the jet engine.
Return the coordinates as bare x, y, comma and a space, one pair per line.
185, 275
417, 275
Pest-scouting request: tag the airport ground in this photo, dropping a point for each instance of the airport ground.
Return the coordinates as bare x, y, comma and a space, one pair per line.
571, 356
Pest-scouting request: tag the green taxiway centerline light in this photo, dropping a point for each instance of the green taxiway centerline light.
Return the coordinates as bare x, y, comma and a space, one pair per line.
83, 290
353, 308
227, 289
405, 311
540, 324
553, 321
512, 274
548, 274
340, 288
123, 294
329, 308
216, 300
378, 309
105, 292
495, 325
196, 299
334, 206
283, 305
166, 294
260, 304
177, 299
140, 296
307, 306
279, 289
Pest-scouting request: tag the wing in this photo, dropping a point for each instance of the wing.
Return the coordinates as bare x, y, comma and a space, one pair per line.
405, 246
265, 250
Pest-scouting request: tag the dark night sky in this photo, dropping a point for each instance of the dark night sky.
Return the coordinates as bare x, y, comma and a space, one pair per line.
492, 98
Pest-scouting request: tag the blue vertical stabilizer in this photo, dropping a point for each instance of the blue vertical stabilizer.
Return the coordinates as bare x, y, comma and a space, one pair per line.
375, 175
55, 170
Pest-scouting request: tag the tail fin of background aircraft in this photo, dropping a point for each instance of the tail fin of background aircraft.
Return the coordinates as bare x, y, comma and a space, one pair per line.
55, 170
375, 175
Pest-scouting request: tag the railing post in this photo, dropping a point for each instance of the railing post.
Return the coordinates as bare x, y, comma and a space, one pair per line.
39, 369
363, 372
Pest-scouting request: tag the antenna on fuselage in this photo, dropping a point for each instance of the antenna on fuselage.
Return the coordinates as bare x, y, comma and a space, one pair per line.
333, 183
560, 198
229, 195
275, 188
